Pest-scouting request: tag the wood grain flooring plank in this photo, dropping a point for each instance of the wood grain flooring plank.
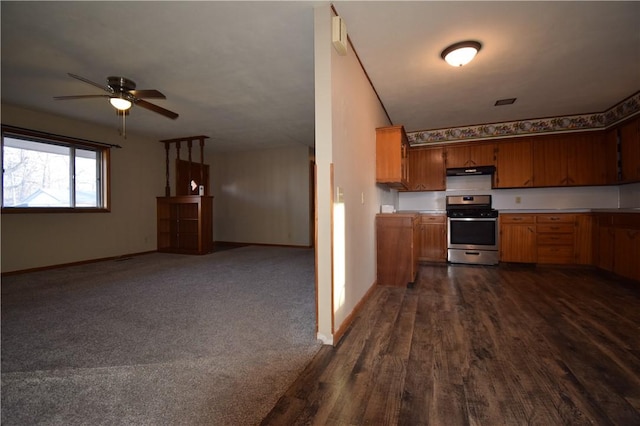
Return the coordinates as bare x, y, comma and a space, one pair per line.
478, 345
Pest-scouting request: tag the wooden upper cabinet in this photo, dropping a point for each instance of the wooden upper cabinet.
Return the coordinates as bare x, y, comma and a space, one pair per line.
392, 147
470, 155
630, 150
549, 161
426, 169
514, 164
611, 155
571, 159
588, 156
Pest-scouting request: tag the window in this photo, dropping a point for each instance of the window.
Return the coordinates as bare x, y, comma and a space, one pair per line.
51, 173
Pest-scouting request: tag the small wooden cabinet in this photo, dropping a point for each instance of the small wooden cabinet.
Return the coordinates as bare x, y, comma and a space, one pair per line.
470, 155
432, 238
185, 224
396, 248
426, 169
392, 147
518, 238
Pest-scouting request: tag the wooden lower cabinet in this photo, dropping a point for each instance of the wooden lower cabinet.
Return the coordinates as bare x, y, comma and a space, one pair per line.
556, 238
432, 238
396, 248
618, 243
545, 238
518, 238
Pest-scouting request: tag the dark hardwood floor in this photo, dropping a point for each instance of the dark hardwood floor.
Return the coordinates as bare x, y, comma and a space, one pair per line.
476, 345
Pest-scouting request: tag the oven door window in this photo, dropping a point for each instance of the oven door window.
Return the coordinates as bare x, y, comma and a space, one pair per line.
476, 232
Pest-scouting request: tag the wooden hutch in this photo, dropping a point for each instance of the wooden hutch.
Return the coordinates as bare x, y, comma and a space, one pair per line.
185, 221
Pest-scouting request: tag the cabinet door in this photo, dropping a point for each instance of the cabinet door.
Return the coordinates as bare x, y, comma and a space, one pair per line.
610, 155
605, 248
518, 243
549, 161
457, 156
479, 154
482, 154
518, 238
433, 238
426, 169
587, 159
514, 167
627, 253
630, 150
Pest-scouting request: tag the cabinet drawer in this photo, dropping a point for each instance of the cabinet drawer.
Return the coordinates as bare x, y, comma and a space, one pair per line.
555, 254
516, 218
435, 218
556, 218
555, 229
560, 239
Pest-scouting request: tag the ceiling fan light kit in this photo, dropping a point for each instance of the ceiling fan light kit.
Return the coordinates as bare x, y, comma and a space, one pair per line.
120, 104
461, 53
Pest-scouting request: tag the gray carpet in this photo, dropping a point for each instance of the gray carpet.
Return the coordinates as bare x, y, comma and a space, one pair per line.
158, 339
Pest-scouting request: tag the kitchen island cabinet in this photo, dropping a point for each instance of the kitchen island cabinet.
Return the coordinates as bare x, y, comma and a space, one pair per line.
396, 248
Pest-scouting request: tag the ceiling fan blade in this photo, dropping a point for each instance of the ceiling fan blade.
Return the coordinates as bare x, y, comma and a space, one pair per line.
155, 108
151, 93
99, 86
64, 98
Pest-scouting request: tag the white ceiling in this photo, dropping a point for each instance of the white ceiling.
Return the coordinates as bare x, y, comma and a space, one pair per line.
242, 72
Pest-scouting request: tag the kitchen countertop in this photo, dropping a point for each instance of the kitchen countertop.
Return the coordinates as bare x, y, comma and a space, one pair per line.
517, 211
625, 210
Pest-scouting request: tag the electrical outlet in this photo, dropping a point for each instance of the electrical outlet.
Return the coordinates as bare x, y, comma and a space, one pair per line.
518, 200
362, 197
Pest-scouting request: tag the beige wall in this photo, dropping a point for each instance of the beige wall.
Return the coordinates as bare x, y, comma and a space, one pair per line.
347, 114
137, 177
262, 196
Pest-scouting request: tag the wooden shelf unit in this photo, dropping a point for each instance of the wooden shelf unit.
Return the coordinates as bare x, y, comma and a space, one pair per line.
185, 224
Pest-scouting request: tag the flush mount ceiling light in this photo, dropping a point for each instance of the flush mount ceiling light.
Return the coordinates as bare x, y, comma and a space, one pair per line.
460, 54
120, 104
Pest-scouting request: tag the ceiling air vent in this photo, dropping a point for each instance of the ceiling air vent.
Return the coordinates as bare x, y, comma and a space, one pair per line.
501, 102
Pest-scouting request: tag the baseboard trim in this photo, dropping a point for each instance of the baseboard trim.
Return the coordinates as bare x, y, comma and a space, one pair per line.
82, 262
242, 244
340, 332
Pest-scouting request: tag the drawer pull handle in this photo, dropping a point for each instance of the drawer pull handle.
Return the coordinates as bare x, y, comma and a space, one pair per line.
473, 253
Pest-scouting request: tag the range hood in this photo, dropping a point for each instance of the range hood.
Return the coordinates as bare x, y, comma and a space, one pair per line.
470, 171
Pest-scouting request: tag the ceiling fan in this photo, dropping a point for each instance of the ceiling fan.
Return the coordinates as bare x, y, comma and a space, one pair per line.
122, 95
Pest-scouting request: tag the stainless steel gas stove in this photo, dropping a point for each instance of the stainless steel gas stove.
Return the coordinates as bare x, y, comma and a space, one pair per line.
472, 230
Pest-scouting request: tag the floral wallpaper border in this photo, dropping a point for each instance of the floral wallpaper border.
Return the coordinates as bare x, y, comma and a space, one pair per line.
602, 120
